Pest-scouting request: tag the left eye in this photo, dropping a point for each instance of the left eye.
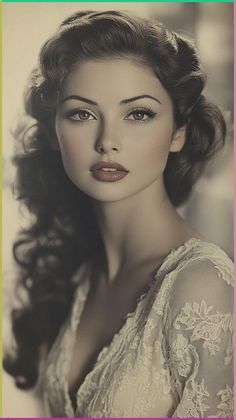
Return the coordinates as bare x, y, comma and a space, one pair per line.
140, 115
81, 115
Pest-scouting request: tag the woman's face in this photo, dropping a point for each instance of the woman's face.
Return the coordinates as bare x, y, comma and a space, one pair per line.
114, 112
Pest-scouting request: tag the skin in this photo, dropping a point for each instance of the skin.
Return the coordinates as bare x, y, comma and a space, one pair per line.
133, 143
132, 211
113, 132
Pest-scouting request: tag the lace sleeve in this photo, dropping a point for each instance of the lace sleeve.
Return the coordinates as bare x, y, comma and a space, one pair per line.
198, 325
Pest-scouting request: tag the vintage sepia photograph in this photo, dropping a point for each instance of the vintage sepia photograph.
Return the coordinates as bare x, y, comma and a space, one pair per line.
117, 210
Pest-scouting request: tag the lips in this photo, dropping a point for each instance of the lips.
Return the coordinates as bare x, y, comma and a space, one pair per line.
108, 171
106, 165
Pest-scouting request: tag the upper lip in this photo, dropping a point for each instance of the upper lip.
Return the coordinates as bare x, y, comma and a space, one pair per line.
113, 165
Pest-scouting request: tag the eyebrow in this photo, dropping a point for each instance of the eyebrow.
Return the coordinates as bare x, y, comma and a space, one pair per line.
79, 98
135, 98
124, 101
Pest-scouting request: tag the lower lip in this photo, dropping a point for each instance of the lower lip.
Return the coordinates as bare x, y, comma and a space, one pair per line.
109, 176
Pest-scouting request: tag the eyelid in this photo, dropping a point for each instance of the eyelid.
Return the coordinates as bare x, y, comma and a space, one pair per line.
73, 111
149, 111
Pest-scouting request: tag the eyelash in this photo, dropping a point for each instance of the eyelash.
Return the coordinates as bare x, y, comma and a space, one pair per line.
70, 114
140, 110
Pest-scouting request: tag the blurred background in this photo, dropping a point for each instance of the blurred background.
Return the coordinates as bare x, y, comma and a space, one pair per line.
26, 26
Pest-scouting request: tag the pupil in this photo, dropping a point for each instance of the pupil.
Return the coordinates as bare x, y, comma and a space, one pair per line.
84, 115
138, 115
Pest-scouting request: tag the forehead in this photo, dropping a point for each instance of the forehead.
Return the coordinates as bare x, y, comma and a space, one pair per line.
114, 79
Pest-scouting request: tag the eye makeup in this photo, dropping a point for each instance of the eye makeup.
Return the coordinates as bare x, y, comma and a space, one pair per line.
143, 114
137, 114
79, 115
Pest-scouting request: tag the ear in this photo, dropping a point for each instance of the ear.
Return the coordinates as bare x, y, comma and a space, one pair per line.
178, 139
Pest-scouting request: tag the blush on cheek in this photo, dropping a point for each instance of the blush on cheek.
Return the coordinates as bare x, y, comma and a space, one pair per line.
157, 147
70, 149
157, 152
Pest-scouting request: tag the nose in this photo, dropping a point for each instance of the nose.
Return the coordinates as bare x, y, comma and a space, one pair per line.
108, 138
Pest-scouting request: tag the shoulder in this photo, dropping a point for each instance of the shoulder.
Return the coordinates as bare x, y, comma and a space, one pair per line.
203, 278
197, 272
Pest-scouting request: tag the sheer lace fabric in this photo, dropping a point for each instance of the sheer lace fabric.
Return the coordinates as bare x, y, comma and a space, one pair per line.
171, 358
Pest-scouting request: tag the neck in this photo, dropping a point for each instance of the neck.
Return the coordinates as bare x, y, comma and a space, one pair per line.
138, 228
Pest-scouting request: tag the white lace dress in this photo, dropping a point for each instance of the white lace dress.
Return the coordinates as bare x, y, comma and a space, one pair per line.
173, 355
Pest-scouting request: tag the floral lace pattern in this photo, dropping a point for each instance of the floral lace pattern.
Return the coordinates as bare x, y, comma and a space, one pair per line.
205, 325
195, 402
181, 355
225, 407
171, 358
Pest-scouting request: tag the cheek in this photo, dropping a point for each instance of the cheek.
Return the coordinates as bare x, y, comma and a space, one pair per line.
71, 150
74, 152
72, 144
154, 144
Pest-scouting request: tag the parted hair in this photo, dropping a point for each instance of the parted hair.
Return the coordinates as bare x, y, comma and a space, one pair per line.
63, 233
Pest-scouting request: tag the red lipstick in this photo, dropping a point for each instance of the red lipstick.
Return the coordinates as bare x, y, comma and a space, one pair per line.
108, 171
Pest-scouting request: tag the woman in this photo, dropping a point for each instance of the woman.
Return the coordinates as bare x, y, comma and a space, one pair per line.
128, 308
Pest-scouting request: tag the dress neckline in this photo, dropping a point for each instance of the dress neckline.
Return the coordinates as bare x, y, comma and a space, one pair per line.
81, 298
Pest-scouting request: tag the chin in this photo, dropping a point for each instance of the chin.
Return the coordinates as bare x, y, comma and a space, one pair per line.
105, 192
109, 195
105, 197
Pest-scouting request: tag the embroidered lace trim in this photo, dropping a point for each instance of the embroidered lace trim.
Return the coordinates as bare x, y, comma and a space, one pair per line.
156, 364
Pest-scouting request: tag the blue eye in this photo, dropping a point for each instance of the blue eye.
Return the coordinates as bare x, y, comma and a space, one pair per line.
80, 115
140, 114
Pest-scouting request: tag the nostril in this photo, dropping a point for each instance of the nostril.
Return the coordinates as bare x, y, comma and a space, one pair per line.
100, 149
103, 148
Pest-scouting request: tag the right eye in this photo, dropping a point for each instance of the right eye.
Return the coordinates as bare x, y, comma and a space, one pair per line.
80, 115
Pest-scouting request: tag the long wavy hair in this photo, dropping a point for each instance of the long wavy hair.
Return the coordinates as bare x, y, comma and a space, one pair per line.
63, 233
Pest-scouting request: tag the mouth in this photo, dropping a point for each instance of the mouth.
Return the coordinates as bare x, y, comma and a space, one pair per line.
107, 166
108, 171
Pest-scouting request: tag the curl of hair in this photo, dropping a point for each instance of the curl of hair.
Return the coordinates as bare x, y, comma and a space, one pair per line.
64, 233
